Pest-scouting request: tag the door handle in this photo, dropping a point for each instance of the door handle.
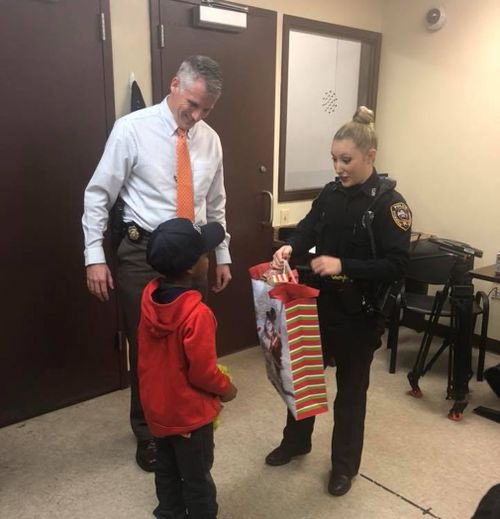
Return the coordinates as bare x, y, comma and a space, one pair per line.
271, 208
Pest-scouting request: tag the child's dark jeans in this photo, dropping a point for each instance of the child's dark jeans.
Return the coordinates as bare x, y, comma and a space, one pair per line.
184, 486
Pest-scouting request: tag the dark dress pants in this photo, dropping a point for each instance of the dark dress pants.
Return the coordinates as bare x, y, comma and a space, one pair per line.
133, 274
351, 339
183, 480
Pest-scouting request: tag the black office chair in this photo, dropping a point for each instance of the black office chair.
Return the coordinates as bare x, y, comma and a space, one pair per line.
430, 265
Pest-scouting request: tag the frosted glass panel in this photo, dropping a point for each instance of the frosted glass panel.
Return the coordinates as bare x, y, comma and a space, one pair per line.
323, 77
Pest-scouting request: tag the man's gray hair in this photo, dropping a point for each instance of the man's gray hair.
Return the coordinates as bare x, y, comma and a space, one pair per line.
197, 68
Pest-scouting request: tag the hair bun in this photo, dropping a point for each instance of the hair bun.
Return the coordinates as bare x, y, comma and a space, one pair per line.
364, 115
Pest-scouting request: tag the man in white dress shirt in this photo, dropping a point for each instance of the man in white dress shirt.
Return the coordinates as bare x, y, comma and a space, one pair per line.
139, 166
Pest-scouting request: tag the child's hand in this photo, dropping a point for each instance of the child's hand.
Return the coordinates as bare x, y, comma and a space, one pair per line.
231, 393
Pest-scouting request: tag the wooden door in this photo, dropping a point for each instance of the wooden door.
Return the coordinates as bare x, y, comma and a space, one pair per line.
244, 120
58, 345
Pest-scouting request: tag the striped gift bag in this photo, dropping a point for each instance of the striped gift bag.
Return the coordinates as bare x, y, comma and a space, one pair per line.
287, 325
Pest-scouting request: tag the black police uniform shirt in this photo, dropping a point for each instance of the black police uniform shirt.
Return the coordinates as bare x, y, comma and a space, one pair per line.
335, 225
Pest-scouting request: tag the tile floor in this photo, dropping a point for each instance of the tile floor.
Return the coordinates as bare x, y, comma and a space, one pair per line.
78, 462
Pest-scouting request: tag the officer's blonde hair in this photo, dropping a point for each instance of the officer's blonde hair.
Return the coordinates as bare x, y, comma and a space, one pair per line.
361, 130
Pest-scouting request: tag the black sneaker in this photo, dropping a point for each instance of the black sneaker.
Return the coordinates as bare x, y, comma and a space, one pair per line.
282, 456
146, 455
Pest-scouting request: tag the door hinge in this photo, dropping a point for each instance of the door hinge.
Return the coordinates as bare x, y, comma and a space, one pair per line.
102, 20
161, 35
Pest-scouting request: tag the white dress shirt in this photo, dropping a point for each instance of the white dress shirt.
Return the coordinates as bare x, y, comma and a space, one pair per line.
138, 164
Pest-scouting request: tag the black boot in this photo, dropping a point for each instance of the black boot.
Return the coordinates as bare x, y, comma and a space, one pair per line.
282, 456
339, 484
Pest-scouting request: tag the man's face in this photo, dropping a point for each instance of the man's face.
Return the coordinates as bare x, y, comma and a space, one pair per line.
191, 104
351, 165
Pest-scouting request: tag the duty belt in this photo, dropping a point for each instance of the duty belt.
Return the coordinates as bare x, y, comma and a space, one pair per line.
338, 279
335, 283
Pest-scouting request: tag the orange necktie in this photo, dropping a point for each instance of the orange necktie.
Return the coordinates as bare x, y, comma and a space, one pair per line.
185, 204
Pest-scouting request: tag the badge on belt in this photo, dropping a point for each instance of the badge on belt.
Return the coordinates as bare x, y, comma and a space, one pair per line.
133, 233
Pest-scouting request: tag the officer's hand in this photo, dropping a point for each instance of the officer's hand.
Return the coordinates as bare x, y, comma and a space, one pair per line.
326, 266
99, 279
231, 393
222, 278
279, 257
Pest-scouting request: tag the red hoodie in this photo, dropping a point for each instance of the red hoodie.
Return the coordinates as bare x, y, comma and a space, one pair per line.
179, 382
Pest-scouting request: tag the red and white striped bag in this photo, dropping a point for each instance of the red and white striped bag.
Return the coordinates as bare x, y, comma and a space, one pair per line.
288, 329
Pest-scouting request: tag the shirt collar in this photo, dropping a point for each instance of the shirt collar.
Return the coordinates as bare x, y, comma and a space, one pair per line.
168, 117
370, 187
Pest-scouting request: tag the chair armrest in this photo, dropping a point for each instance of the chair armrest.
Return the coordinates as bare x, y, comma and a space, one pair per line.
483, 302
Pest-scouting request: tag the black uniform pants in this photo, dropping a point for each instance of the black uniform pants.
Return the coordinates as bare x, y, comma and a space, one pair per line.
351, 338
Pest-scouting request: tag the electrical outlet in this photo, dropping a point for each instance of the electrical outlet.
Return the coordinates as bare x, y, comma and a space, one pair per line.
284, 217
495, 294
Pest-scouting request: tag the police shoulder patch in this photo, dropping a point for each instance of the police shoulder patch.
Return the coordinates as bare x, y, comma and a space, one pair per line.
401, 215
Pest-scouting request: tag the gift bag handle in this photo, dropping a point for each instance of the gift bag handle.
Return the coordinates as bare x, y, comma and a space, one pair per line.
287, 269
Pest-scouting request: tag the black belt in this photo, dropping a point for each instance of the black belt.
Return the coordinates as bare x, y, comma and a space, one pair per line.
307, 277
338, 280
336, 283
134, 232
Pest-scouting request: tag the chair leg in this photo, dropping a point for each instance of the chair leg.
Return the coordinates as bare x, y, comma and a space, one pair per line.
481, 296
394, 351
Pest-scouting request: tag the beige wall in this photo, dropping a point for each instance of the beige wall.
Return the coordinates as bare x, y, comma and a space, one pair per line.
131, 50
438, 107
438, 120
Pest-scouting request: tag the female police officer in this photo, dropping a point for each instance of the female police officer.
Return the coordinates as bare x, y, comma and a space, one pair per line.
361, 229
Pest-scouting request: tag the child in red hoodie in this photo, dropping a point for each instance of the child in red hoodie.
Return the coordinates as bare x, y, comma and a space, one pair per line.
180, 385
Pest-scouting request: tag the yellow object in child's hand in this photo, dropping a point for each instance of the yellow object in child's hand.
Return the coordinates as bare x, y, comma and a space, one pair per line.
225, 371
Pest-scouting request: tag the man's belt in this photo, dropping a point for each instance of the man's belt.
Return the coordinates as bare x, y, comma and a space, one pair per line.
134, 232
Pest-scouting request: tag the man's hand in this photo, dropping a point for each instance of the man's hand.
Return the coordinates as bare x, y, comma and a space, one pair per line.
231, 393
280, 256
222, 278
99, 279
326, 266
